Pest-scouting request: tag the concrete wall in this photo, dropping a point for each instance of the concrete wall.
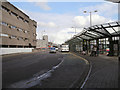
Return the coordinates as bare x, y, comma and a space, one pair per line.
14, 50
18, 32
42, 42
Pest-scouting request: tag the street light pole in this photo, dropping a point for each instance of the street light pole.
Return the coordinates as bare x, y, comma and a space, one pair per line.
90, 19
75, 30
90, 16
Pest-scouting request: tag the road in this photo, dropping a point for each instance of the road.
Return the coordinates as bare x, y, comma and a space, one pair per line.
42, 70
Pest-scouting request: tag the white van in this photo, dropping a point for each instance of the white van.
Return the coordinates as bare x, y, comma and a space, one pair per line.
64, 48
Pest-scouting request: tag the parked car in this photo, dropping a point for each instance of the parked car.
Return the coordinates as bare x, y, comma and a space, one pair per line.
52, 50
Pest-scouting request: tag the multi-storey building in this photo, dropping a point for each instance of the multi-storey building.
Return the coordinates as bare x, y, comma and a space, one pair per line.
42, 42
17, 29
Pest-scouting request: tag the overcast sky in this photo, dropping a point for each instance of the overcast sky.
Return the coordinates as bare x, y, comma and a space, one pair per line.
57, 18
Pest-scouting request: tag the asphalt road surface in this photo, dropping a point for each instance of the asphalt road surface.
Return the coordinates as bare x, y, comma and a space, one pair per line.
42, 70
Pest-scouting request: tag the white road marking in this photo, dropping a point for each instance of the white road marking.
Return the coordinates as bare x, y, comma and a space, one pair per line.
87, 77
88, 72
37, 79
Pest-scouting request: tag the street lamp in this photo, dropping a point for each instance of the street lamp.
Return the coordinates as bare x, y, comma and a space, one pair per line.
75, 30
90, 16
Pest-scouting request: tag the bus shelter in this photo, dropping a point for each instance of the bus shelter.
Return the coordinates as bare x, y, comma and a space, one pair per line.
104, 36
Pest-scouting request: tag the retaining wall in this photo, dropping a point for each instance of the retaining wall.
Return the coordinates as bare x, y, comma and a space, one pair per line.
14, 50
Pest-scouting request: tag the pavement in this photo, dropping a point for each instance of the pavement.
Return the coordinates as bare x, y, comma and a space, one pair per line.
104, 72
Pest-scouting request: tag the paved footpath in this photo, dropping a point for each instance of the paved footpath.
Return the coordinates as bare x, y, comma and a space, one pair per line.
104, 73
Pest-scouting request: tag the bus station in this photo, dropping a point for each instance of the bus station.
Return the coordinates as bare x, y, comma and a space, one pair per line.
104, 36
84, 59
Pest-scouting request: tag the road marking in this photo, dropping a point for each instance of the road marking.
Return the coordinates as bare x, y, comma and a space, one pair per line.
88, 72
81, 58
36, 79
87, 77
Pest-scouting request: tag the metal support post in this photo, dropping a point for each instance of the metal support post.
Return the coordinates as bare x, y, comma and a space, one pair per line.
111, 47
97, 44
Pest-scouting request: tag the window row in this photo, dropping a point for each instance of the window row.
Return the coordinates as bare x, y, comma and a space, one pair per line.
15, 37
14, 14
14, 27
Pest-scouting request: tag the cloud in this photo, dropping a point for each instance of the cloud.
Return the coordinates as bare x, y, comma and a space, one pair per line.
61, 36
43, 5
58, 26
49, 24
105, 9
84, 21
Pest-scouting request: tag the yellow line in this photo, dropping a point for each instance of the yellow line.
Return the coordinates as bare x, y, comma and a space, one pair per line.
81, 58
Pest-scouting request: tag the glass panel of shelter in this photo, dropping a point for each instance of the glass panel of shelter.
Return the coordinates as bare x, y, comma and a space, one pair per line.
110, 30
115, 45
103, 45
117, 29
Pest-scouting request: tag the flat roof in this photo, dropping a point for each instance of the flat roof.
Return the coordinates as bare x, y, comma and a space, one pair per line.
99, 31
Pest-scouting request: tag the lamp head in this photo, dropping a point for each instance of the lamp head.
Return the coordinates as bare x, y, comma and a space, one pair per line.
95, 11
85, 11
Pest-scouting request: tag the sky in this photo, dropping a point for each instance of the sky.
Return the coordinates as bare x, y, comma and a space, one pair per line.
56, 18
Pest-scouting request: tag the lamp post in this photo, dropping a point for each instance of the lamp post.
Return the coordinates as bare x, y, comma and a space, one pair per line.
90, 22
75, 30
90, 16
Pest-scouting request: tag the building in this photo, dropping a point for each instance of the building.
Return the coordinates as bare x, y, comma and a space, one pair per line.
18, 30
42, 43
115, 1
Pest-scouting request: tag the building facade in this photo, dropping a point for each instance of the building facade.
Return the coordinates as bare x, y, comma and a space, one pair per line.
43, 43
17, 29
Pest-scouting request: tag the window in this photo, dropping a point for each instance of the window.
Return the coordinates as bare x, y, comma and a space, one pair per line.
35, 26
4, 35
26, 39
5, 9
20, 38
34, 34
26, 21
14, 14
20, 18
4, 23
14, 27
9, 26
19, 29
12, 36
26, 31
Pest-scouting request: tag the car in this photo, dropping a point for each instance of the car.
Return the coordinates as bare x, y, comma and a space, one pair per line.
56, 49
52, 50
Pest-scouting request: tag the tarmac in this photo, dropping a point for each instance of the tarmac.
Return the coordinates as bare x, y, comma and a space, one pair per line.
104, 72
